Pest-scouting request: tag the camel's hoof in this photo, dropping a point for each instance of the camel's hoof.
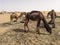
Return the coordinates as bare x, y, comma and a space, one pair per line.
38, 32
50, 32
26, 31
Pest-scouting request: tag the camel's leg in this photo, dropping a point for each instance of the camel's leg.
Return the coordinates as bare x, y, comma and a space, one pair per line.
16, 19
53, 23
11, 20
26, 25
38, 25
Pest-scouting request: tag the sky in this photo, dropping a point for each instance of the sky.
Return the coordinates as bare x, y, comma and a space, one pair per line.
29, 5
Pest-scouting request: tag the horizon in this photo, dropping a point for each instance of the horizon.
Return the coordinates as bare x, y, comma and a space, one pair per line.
29, 5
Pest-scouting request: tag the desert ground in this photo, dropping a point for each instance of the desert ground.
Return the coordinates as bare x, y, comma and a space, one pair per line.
14, 34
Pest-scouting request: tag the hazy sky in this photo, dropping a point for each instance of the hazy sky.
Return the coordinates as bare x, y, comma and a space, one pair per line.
28, 5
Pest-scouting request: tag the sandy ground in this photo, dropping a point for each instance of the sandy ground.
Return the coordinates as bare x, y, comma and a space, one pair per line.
4, 18
12, 34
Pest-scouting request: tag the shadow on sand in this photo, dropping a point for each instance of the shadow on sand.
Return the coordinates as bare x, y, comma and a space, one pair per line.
6, 24
22, 30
